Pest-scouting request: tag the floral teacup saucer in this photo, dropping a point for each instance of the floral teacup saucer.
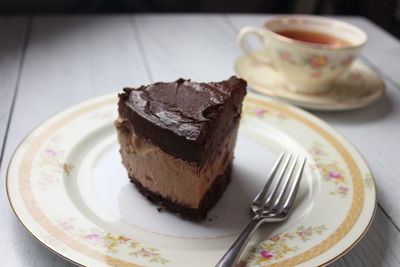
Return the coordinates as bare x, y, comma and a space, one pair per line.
358, 87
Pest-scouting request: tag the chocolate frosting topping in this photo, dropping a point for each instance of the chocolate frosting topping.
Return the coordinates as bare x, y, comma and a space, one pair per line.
179, 116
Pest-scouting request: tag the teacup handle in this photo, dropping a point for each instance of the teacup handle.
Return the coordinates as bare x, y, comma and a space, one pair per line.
258, 32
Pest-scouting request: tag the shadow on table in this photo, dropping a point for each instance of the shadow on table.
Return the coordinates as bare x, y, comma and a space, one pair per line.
374, 112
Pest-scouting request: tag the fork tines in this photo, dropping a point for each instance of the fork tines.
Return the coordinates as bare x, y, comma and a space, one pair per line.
278, 194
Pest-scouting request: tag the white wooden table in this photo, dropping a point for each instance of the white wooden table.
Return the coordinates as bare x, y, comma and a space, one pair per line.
48, 63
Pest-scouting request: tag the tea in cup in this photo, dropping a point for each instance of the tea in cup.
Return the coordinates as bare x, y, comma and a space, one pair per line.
309, 51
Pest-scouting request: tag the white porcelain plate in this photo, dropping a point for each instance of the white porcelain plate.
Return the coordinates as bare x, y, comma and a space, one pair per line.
358, 87
68, 188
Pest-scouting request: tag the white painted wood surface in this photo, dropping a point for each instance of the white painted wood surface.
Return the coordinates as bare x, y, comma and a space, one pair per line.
198, 47
70, 59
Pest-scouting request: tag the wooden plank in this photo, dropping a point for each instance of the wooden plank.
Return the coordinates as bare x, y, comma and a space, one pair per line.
13, 33
200, 47
69, 59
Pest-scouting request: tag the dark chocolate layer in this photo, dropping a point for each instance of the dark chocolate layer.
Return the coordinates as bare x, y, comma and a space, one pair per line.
185, 119
210, 198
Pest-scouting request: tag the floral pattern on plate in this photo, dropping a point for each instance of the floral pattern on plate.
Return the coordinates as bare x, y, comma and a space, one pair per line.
280, 246
331, 171
262, 112
112, 243
52, 163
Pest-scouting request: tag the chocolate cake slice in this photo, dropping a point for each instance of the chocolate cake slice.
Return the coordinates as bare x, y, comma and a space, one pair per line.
177, 141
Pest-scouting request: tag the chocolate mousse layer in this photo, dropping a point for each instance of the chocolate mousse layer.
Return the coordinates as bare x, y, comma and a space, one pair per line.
185, 119
208, 201
172, 179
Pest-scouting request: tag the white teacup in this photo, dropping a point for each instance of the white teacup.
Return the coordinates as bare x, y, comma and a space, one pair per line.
307, 65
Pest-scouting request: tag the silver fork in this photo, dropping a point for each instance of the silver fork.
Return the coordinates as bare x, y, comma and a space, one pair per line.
272, 204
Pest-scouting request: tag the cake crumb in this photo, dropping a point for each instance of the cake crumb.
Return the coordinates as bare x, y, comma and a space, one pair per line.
209, 219
160, 208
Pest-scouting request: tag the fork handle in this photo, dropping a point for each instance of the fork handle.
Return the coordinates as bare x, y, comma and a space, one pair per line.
232, 255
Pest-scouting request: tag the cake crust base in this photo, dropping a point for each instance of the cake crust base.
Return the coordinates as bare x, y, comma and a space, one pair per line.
210, 198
